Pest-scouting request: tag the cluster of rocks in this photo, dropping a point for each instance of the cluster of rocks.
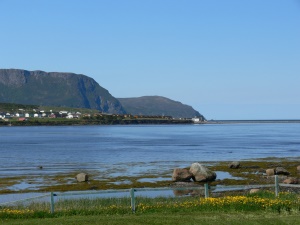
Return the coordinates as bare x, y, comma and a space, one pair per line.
277, 171
283, 171
196, 172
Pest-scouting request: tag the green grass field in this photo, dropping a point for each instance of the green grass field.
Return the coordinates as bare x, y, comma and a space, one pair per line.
203, 218
259, 208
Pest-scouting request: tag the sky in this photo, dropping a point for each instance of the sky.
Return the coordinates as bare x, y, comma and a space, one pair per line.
228, 59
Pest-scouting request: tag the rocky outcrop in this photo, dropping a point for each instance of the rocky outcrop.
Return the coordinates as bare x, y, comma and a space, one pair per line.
201, 173
277, 171
181, 175
197, 172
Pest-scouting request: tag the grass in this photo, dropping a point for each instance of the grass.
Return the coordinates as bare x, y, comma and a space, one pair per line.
250, 208
206, 218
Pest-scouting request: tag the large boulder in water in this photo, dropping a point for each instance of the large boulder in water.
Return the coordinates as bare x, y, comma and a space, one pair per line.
201, 173
181, 175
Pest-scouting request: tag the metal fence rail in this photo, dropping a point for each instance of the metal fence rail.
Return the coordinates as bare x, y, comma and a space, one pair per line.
24, 200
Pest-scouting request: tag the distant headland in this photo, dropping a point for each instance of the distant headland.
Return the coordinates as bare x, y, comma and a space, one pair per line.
72, 90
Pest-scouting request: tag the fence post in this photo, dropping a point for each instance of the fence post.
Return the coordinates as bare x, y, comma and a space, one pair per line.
276, 186
52, 203
206, 190
132, 199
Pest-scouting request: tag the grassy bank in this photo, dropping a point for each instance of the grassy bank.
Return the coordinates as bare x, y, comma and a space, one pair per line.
258, 202
259, 208
192, 218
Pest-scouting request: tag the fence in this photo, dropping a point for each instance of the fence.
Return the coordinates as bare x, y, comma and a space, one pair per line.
132, 192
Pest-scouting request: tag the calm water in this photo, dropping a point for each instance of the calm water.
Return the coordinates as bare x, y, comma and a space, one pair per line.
129, 150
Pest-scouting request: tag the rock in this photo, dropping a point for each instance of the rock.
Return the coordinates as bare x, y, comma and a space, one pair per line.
201, 173
181, 175
40, 167
298, 169
281, 171
234, 165
270, 172
254, 190
291, 180
82, 177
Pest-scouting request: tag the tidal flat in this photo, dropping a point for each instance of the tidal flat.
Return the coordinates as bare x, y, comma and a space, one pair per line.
250, 172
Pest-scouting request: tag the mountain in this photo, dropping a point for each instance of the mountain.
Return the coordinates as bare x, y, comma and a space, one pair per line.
157, 105
55, 89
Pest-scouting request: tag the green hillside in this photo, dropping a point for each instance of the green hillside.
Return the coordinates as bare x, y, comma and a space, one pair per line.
157, 105
55, 89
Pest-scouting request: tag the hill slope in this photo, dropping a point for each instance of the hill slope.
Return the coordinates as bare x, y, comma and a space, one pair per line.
55, 89
157, 105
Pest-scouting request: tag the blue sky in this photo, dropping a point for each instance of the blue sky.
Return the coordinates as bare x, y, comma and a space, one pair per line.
228, 59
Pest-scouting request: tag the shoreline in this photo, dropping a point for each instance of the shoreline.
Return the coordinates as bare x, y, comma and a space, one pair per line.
251, 172
47, 122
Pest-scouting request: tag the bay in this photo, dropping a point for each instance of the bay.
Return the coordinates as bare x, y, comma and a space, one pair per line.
135, 149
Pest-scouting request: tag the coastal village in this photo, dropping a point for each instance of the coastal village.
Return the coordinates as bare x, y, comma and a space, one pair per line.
22, 115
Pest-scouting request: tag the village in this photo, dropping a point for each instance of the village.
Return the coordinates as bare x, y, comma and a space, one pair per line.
22, 115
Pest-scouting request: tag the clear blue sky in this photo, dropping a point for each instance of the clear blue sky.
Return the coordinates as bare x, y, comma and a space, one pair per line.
228, 59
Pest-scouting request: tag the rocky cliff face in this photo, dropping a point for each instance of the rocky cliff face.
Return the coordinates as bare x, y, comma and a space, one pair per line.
55, 89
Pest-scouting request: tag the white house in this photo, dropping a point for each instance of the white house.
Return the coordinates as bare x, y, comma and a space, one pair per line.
70, 116
26, 115
196, 120
35, 115
63, 112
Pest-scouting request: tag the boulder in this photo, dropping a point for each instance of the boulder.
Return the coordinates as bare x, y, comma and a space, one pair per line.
270, 172
291, 180
181, 175
298, 169
254, 190
234, 165
82, 177
281, 171
201, 173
